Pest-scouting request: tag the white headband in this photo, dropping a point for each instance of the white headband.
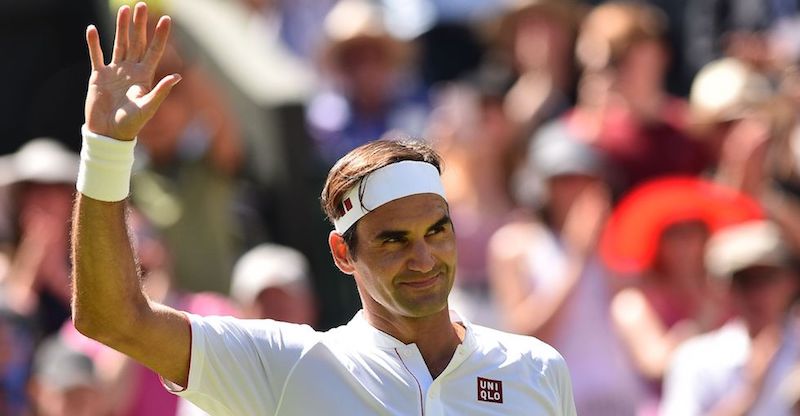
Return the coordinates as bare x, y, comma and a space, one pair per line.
386, 184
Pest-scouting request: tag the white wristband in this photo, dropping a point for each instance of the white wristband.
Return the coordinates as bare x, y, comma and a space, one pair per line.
106, 163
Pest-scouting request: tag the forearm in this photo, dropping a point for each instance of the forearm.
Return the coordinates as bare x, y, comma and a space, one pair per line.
107, 296
539, 314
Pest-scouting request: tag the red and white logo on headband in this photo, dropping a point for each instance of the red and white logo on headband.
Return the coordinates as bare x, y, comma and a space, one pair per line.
348, 205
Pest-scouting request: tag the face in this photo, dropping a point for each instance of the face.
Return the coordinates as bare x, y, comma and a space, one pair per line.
284, 304
762, 295
681, 249
564, 190
405, 260
76, 401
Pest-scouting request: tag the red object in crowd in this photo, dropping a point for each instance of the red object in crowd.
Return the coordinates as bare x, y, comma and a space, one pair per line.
630, 239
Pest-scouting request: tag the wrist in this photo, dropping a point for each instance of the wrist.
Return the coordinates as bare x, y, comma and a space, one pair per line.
106, 165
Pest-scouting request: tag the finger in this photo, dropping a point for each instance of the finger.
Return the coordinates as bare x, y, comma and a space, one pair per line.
95, 51
153, 99
159, 42
121, 39
139, 35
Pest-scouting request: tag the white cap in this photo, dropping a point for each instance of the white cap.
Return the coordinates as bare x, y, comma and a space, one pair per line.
41, 160
266, 266
756, 243
724, 89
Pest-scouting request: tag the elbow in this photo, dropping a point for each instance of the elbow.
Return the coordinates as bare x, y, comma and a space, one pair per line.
106, 328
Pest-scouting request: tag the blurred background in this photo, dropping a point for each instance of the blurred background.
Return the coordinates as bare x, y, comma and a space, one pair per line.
623, 177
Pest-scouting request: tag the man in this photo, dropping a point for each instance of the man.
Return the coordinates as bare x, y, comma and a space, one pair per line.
403, 354
739, 368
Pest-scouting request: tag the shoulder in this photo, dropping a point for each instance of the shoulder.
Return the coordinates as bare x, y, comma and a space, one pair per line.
229, 329
526, 350
726, 346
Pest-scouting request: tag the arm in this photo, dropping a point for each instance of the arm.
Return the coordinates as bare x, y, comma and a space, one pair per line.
528, 310
108, 302
649, 343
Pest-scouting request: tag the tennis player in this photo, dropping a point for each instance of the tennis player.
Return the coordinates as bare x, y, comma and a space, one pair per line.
404, 353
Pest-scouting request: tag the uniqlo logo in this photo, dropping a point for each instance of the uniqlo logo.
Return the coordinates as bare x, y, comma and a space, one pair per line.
490, 390
347, 205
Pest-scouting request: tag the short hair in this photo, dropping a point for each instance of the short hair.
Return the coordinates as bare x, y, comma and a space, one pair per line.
611, 29
360, 162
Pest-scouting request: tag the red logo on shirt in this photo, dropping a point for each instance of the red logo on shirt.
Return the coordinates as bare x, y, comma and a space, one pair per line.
347, 205
490, 390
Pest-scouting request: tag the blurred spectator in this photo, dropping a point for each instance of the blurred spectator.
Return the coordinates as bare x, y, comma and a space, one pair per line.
639, 125
272, 282
656, 237
548, 279
185, 182
65, 382
738, 368
538, 38
40, 178
38, 183
370, 93
475, 139
724, 93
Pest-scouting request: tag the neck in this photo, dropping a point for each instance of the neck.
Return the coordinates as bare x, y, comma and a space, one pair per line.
436, 336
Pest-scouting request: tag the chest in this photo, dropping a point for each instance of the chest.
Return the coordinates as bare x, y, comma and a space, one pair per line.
396, 382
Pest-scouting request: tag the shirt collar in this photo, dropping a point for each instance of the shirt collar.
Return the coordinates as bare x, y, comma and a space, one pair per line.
381, 339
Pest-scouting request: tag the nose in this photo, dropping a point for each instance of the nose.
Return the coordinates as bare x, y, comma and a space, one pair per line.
421, 259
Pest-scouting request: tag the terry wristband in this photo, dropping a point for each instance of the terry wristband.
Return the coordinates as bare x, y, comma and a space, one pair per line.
105, 170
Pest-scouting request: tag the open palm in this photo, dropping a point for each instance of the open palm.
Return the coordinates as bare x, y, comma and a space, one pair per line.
120, 99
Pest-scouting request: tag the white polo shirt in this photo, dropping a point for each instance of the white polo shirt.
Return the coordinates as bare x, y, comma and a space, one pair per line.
265, 367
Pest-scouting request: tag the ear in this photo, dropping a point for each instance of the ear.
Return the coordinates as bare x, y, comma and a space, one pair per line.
340, 253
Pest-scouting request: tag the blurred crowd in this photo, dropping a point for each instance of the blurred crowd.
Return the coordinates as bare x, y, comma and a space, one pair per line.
623, 178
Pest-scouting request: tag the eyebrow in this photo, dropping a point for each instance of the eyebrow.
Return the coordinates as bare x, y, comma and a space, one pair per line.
396, 234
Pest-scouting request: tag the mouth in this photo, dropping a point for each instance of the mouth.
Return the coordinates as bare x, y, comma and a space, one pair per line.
424, 282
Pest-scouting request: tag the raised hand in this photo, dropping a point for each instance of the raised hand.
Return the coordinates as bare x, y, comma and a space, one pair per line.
121, 99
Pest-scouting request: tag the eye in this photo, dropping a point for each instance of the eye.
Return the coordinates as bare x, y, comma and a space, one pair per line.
393, 240
436, 230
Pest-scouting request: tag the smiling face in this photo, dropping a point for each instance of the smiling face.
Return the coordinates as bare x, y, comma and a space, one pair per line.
405, 260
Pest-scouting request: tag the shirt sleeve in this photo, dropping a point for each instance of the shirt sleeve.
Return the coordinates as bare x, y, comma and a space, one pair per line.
564, 384
239, 367
682, 385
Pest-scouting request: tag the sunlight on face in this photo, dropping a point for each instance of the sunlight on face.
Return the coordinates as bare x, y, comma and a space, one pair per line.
405, 263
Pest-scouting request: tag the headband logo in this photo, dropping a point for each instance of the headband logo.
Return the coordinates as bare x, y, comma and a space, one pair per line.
347, 205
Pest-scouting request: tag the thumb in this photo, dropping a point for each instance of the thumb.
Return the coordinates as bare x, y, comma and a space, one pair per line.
156, 96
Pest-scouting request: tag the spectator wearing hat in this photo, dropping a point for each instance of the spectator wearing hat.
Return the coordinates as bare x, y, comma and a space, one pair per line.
546, 275
40, 180
371, 92
654, 244
738, 368
36, 184
65, 382
271, 281
537, 38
